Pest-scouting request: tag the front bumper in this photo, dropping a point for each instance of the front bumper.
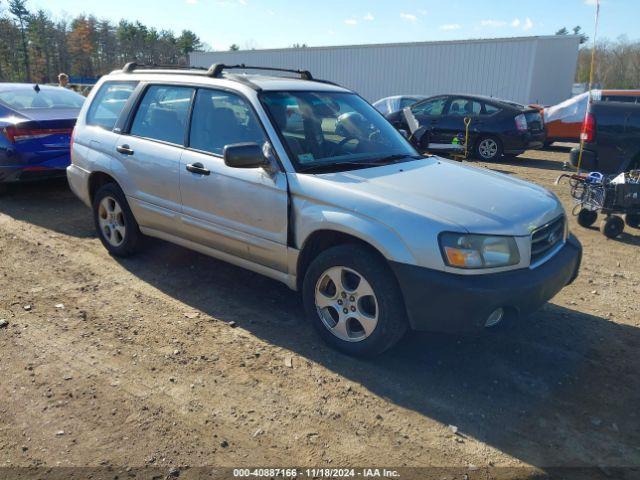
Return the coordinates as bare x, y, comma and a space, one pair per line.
447, 302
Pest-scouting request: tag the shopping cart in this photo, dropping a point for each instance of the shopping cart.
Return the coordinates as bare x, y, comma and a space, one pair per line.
610, 195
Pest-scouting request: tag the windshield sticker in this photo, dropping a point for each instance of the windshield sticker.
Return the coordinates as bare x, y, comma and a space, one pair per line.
306, 158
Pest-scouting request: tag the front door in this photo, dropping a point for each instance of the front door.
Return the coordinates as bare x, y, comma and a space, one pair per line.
428, 114
238, 211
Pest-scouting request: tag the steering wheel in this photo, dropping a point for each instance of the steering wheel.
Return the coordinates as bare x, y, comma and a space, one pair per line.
342, 143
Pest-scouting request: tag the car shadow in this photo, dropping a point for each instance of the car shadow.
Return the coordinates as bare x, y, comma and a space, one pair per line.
529, 162
63, 212
554, 389
559, 148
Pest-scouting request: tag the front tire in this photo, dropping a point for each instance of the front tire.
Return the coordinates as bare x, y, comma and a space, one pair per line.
488, 149
115, 224
353, 300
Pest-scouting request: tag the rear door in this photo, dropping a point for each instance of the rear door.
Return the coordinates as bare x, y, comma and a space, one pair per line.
451, 126
242, 212
147, 155
96, 135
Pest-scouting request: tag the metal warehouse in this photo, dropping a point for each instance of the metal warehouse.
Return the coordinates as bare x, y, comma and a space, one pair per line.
524, 69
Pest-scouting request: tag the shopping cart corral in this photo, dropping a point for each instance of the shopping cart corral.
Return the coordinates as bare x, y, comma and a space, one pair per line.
612, 196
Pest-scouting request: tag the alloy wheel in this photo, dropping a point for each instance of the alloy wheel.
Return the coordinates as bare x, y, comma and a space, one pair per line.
111, 221
488, 148
346, 304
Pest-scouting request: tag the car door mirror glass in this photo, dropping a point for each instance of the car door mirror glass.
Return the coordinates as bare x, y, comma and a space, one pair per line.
244, 155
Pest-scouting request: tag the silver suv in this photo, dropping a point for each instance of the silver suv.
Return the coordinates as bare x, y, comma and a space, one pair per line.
303, 181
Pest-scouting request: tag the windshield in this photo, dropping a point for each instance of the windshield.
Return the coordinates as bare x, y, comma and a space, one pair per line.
334, 129
43, 98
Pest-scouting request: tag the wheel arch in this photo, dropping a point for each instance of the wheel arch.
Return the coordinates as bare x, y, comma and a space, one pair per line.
383, 242
96, 180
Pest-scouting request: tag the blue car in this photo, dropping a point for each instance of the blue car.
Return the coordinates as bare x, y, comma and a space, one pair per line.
36, 122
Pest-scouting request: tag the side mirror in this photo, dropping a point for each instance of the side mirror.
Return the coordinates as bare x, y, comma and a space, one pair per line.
244, 155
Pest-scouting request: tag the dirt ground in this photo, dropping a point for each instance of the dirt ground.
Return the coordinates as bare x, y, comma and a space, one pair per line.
172, 358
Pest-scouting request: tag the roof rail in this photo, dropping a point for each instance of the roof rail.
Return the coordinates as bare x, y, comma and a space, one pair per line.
216, 70
132, 66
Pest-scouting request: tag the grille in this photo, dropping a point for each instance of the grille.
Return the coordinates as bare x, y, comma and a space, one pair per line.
546, 238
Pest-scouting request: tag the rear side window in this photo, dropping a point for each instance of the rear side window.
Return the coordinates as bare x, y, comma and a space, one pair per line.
108, 103
162, 114
490, 109
222, 118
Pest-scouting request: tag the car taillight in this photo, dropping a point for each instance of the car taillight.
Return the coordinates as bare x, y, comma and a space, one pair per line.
18, 134
521, 122
588, 128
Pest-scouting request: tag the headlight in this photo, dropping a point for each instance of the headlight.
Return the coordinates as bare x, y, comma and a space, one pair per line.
462, 250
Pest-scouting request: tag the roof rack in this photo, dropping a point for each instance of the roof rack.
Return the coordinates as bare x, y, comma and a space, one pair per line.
216, 70
132, 66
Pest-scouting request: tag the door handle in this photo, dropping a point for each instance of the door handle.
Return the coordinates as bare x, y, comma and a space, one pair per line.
124, 149
197, 168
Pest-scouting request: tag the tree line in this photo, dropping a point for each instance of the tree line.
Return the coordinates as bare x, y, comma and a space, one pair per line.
617, 64
34, 47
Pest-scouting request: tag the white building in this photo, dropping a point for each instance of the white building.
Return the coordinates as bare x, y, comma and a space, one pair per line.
525, 69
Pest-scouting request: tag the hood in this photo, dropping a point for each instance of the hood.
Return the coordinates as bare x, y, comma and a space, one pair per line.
458, 196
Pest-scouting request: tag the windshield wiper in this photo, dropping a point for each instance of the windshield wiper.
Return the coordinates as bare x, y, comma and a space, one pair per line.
376, 163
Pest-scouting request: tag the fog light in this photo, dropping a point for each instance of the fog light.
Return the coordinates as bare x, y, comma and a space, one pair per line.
494, 318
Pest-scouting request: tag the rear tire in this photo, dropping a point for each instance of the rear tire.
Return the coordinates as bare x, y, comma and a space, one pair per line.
633, 220
115, 224
612, 226
353, 300
587, 217
488, 149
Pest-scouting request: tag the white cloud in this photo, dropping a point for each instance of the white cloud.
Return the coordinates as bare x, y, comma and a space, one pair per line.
493, 23
242, 2
351, 21
192, 2
331, 32
515, 23
450, 26
422, 12
528, 24
271, 13
369, 17
590, 2
409, 16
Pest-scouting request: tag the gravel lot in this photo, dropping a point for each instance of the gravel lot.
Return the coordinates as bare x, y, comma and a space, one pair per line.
137, 362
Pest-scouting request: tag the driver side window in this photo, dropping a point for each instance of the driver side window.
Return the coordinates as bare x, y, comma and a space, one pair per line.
430, 107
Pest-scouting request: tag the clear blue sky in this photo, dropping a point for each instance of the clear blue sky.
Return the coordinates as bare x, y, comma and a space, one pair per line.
280, 23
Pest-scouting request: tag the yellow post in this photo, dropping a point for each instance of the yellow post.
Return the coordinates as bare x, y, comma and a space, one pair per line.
467, 121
